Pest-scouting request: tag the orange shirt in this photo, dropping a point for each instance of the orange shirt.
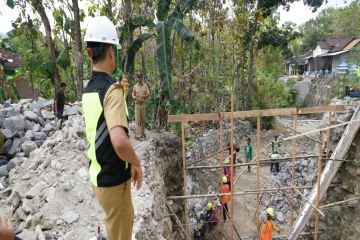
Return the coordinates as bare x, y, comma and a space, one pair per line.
225, 189
267, 229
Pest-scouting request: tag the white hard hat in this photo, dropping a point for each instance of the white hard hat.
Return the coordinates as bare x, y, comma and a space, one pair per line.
101, 29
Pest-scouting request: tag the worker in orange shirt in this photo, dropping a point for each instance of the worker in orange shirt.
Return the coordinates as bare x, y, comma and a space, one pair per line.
225, 199
267, 225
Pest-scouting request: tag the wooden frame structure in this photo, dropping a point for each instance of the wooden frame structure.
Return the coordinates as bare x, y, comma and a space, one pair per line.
184, 118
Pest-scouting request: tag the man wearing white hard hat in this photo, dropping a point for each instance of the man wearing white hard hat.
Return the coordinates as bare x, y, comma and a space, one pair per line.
113, 161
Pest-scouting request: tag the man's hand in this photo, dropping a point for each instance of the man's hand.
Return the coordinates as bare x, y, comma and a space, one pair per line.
6, 230
136, 175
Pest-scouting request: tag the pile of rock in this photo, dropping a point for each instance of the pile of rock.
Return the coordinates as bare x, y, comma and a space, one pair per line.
25, 126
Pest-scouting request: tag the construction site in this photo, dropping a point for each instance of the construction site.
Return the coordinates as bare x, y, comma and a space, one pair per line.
173, 120
46, 191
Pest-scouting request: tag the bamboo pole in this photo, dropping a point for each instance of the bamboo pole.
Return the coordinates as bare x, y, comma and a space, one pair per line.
186, 235
340, 202
310, 138
231, 221
302, 195
328, 136
258, 125
246, 192
293, 172
184, 176
232, 161
321, 129
204, 158
318, 189
221, 140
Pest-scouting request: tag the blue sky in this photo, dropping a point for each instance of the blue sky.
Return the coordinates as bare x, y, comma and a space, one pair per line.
298, 13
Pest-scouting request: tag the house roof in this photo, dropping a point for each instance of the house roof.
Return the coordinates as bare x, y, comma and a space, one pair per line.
301, 59
9, 60
335, 44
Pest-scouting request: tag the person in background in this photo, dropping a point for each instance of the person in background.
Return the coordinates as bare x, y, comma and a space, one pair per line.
235, 149
225, 199
140, 93
248, 153
267, 225
59, 103
275, 145
275, 157
227, 171
211, 215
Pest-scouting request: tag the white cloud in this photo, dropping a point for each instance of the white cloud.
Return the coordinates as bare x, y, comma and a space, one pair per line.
299, 13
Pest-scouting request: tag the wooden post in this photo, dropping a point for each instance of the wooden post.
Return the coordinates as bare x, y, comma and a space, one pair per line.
184, 177
318, 189
221, 140
328, 136
258, 126
292, 203
232, 162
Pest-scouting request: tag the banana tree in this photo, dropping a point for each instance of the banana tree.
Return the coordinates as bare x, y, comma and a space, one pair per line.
166, 23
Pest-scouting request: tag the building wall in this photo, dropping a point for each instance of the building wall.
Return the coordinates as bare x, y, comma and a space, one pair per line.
338, 59
318, 51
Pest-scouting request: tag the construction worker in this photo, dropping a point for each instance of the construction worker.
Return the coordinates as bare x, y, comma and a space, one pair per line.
225, 199
227, 170
140, 93
113, 161
59, 103
275, 157
267, 225
248, 153
275, 145
211, 215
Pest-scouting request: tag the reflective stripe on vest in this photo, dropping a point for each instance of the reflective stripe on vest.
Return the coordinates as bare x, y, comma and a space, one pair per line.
92, 110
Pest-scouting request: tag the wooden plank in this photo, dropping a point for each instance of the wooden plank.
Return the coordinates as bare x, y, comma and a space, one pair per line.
321, 109
209, 156
246, 192
221, 140
232, 163
184, 177
293, 172
258, 145
316, 237
254, 113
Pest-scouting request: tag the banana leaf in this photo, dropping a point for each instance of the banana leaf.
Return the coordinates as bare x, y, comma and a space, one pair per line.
141, 21
10, 4
184, 32
135, 47
163, 9
163, 56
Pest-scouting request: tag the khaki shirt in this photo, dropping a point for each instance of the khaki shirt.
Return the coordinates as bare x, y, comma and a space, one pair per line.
114, 107
140, 93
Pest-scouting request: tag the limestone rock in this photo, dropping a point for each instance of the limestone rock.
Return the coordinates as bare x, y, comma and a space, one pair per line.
28, 147
4, 171
280, 217
70, 216
36, 190
15, 123
36, 128
31, 116
40, 136
7, 133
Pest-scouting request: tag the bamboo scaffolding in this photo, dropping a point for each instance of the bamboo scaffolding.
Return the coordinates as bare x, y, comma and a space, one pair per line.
302, 195
246, 192
221, 132
204, 158
178, 221
321, 129
258, 144
184, 176
310, 138
302, 234
340, 202
231, 221
232, 161
293, 173
318, 190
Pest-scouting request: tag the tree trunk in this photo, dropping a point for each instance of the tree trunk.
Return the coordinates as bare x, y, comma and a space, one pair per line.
38, 6
79, 55
251, 64
143, 66
109, 11
130, 37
